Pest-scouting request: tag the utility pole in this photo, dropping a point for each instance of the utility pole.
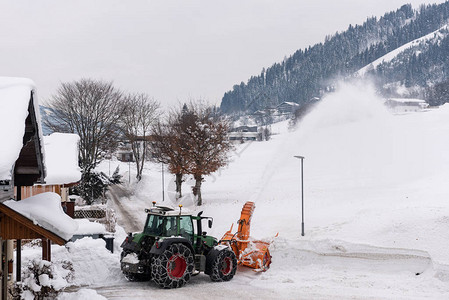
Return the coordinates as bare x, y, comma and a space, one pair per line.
302, 192
163, 187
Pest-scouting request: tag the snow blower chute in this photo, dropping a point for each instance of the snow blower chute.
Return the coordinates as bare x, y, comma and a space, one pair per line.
249, 252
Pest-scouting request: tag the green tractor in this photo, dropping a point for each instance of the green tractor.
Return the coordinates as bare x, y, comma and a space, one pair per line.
172, 248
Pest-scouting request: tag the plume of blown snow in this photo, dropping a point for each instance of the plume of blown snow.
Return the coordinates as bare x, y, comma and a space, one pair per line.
352, 102
351, 136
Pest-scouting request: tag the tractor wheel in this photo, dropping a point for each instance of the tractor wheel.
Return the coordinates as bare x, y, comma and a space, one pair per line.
224, 266
174, 267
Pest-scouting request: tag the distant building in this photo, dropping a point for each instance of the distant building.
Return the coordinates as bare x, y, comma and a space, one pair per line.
401, 105
243, 133
287, 107
124, 152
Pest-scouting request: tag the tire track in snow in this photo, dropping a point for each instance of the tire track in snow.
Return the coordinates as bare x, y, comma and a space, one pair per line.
124, 218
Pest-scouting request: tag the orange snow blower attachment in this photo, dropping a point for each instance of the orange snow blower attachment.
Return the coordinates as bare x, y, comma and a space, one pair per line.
250, 253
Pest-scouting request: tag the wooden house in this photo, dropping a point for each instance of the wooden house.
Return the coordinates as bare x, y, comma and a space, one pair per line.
22, 164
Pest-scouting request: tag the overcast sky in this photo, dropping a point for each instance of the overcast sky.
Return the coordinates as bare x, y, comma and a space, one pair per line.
172, 50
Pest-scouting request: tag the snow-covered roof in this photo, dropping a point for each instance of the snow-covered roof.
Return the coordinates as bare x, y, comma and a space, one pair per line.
61, 159
407, 100
288, 103
86, 227
45, 210
15, 96
168, 210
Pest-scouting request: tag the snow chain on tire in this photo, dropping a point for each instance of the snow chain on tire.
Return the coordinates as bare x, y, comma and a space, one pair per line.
174, 267
224, 266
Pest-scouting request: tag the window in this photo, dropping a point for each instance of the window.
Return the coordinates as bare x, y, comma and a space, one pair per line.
171, 228
186, 228
168, 226
154, 225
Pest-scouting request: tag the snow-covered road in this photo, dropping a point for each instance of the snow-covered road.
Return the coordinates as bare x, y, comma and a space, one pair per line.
303, 270
130, 221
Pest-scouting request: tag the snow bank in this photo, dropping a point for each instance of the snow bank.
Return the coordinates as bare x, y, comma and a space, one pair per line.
15, 94
93, 263
61, 158
45, 210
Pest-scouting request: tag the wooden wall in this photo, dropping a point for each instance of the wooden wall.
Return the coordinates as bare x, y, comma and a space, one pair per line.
28, 191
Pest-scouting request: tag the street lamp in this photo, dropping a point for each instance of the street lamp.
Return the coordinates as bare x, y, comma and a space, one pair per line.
302, 192
163, 188
129, 171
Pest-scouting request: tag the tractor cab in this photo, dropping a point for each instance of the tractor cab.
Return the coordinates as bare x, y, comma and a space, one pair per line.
167, 222
169, 226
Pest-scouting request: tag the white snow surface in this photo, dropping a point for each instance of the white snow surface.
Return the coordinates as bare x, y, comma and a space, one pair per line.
45, 210
87, 294
61, 159
375, 199
15, 94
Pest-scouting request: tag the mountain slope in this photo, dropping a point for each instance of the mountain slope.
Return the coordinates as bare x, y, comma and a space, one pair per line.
310, 72
416, 46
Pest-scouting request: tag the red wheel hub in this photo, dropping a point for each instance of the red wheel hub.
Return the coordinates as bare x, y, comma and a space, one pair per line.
226, 266
176, 266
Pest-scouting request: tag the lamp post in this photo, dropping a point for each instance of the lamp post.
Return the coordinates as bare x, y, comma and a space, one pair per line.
302, 192
163, 188
129, 172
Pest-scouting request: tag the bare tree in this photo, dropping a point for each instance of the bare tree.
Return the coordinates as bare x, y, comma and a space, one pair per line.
140, 113
90, 108
169, 148
207, 144
193, 141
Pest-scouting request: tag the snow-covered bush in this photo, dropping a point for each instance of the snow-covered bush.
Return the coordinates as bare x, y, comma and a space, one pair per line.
116, 177
43, 280
93, 187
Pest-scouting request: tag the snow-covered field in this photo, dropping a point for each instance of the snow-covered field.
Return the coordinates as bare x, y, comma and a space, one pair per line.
376, 198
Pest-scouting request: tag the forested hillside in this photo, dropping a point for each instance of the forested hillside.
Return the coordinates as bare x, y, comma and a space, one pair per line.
310, 72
